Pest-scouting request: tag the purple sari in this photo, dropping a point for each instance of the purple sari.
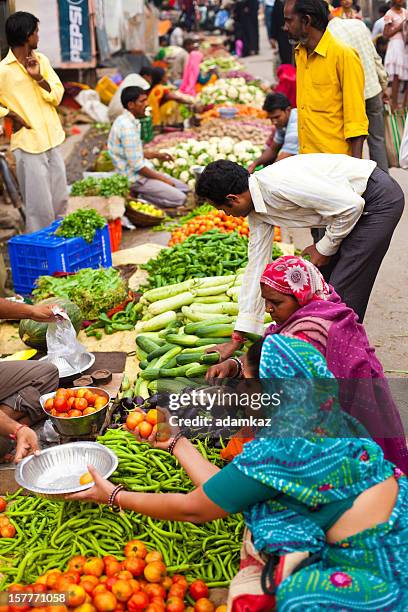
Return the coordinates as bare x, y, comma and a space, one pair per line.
332, 327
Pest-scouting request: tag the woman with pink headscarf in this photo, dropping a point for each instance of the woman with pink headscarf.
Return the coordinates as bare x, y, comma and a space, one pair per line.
304, 306
192, 75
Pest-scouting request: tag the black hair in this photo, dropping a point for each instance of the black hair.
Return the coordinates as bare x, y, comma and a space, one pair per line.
131, 94
382, 9
188, 41
157, 75
19, 27
275, 101
221, 178
146, 70
317, 10
253, 357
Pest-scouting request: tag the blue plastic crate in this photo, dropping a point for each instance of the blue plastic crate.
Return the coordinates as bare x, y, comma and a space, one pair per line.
43, 253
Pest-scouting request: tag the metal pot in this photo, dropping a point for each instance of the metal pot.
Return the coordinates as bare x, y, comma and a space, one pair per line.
89, 424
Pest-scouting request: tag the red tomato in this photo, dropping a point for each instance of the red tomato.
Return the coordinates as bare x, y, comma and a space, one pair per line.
112, 567
155, 590
49, 404
198, 589
122, 590
8, 531
175, 604
3, 504
135, 548
76, 564
155, 571
60, 404
177, 590
71, 402
153, 555
76, 595
137, 602
90, 398
134, 565
204, 605
74, 413
105, 602
81, 403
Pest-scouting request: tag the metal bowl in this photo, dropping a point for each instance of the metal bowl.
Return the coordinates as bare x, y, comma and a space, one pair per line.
58, 469
79, 426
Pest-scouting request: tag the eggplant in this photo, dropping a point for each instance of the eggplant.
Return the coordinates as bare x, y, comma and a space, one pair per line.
126, 403
138, 400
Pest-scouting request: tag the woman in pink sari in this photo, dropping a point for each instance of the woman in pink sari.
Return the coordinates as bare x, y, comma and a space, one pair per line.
304, 306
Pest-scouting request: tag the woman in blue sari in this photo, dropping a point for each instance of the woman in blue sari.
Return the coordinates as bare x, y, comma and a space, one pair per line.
314, 481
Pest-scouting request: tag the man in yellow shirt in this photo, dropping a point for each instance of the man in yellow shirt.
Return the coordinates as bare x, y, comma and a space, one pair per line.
329, 83
30, 91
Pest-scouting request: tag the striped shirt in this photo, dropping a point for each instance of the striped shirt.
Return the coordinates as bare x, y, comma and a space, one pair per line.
355, 33
314, 190
125, 145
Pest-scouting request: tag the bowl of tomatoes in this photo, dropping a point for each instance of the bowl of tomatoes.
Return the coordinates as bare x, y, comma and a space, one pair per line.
79, 411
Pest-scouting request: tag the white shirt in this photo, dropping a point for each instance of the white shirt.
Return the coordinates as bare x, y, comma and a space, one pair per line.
354, 33
378, 28
314, 190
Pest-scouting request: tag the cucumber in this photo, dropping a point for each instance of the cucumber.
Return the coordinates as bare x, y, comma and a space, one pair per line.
205, 341
171, 385
197, 316
196, 370
144, 389
198, 349
209, 358
219, 330
146, 344
191, 328
182, 339
151, 374
161, 350
179, 371
143, 364
185, 358
167, 357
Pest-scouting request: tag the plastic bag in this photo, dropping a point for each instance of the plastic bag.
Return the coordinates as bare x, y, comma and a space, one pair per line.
62, 341
91, 104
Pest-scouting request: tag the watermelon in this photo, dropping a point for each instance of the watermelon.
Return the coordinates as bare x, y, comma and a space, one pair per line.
33, 333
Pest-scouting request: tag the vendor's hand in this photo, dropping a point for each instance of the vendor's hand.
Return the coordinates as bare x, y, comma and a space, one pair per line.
385, 97
32, 66
225, 350
161, 435
251, 167
99, 493
225, 369
316, 258
26, 444
43, 313
18, 122
164, 156
273, 43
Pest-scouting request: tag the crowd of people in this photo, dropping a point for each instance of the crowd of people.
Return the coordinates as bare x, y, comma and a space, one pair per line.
326, 479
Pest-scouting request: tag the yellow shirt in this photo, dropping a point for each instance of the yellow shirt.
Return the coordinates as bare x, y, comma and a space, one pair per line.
22, 94
330, 97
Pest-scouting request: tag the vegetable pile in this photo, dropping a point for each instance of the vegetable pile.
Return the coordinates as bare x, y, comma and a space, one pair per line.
121, 318
83, 223
224, 64
94, 291
69, 403
49, 533
255, 130
146, 209
115, 185
138, 582
214, 219
179, 323
232, 91
213, 253
194, 152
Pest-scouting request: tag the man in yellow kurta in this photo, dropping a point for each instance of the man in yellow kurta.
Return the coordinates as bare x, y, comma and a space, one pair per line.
30, 91
329, 83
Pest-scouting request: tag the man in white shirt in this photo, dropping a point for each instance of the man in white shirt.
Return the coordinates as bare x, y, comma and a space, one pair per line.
358, 204
378, 27
355, 34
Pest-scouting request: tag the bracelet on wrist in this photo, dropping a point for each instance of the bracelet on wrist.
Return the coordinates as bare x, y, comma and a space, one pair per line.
112, 498
239, 366
172, 445
20, 426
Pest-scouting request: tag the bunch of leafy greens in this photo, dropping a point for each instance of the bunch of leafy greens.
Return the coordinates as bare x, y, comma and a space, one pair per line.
82, 223
94, 291
110, 186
